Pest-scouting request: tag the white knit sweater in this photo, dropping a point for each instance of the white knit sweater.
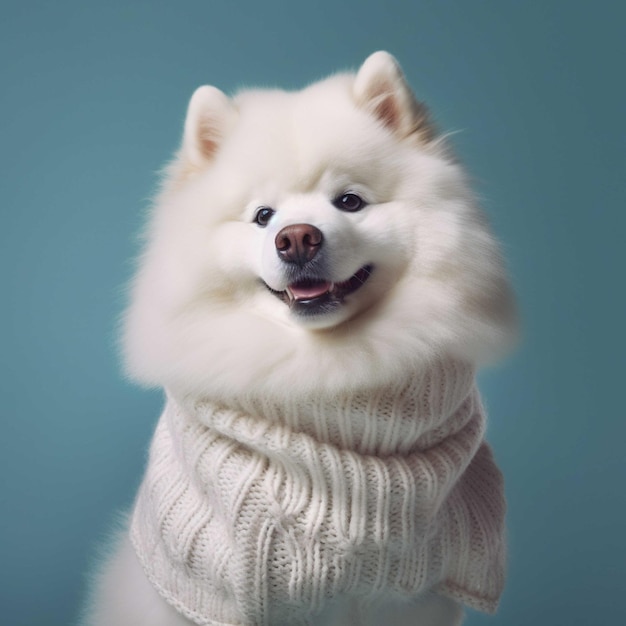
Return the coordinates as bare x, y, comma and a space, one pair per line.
257, 513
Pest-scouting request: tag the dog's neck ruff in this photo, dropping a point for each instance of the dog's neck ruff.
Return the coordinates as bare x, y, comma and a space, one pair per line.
257, 513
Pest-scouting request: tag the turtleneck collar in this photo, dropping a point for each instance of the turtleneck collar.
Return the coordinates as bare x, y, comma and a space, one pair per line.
255, 511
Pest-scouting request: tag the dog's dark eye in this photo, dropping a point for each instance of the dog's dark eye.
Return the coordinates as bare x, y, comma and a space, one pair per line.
349, 202
263, 215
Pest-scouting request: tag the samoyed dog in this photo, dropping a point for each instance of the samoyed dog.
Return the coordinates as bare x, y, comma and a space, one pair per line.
316, 292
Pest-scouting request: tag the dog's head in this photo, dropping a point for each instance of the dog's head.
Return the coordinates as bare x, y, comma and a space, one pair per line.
324, 235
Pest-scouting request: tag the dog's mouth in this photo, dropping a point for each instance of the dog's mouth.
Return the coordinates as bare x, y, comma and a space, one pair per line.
312, 296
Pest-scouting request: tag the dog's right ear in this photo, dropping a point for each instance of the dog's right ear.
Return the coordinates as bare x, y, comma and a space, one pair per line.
381, 89
210, 115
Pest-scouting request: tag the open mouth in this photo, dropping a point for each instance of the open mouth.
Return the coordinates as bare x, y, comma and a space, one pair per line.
314, 296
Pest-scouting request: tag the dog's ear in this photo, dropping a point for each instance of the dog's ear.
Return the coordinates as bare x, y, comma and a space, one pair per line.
381, 89
209, 117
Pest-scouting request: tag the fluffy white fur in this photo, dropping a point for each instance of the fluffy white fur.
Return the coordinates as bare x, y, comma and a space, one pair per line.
202, 322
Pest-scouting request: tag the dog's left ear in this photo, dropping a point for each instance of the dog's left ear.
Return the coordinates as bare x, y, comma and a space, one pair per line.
381, 89
210, 116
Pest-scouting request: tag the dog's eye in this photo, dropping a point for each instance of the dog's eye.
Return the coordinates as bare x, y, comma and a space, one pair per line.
263, 215
349, 202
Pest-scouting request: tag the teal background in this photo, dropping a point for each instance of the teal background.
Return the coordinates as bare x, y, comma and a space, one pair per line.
92, 98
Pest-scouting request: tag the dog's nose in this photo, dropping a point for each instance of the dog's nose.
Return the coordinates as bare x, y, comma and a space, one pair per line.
298, 243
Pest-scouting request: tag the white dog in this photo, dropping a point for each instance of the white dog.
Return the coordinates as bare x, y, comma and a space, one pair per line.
317, 289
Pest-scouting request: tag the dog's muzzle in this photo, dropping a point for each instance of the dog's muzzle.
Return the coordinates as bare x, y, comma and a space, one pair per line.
310, 293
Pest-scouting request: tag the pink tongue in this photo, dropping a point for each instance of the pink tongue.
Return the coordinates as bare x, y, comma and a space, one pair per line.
307, 291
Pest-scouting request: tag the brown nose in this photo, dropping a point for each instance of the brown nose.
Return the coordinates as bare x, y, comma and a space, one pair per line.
298, 243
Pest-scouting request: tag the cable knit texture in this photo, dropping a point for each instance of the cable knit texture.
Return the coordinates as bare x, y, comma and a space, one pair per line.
258, 512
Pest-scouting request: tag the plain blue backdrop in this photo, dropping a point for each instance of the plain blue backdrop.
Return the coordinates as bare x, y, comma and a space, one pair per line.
92, 98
